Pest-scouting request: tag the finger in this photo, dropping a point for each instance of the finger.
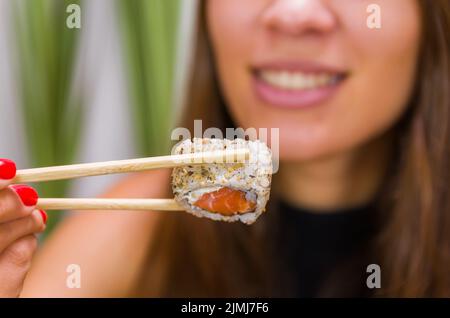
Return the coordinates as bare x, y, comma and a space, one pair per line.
7, 172
12, 231
17, 201
15, 262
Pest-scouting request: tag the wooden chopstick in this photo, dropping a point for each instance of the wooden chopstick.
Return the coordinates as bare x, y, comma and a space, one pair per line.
109, 204
132, 165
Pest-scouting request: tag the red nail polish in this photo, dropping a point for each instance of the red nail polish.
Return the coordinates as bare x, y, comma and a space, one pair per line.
44, 216
7, 169
26, 193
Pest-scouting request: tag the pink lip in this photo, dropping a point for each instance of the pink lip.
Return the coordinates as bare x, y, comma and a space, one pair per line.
295, 98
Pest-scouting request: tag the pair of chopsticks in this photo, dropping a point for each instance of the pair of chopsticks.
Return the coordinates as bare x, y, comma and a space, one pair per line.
122, 166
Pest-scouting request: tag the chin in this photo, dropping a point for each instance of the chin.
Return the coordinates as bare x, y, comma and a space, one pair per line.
295, 151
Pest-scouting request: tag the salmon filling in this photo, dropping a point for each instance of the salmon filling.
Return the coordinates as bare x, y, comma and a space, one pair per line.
226, 201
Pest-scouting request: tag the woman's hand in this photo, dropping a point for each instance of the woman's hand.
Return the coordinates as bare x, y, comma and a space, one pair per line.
19, 221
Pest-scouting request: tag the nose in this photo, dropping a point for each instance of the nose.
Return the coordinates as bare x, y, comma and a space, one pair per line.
297, 17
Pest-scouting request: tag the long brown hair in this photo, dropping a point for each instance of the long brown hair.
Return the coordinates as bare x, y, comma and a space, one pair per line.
197, 257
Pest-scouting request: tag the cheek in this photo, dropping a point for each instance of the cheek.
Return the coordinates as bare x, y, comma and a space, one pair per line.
231, 27
233, 45
384, 70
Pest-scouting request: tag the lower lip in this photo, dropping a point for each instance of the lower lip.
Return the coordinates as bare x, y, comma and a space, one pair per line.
293, 98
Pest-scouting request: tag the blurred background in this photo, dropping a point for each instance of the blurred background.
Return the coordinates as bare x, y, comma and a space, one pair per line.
108, 90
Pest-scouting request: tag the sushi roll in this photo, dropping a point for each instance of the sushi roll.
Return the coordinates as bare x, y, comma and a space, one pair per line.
224, 191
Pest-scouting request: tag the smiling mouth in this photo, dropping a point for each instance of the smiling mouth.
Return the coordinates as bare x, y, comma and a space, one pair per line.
296, 86
295, 81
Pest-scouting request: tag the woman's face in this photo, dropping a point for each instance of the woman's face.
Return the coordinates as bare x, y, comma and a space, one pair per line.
314, 69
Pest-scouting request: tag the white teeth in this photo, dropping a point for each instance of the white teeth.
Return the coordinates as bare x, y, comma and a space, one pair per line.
298, 81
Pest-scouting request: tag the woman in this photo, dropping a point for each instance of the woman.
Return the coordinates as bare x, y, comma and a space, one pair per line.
364, 148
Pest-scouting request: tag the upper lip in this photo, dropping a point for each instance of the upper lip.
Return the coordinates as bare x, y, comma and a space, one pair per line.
298, 66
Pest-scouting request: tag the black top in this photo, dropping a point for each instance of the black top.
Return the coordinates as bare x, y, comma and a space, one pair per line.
325, 254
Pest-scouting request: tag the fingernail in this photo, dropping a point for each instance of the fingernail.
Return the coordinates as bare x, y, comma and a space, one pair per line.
7, 169
44, 216
26, 193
